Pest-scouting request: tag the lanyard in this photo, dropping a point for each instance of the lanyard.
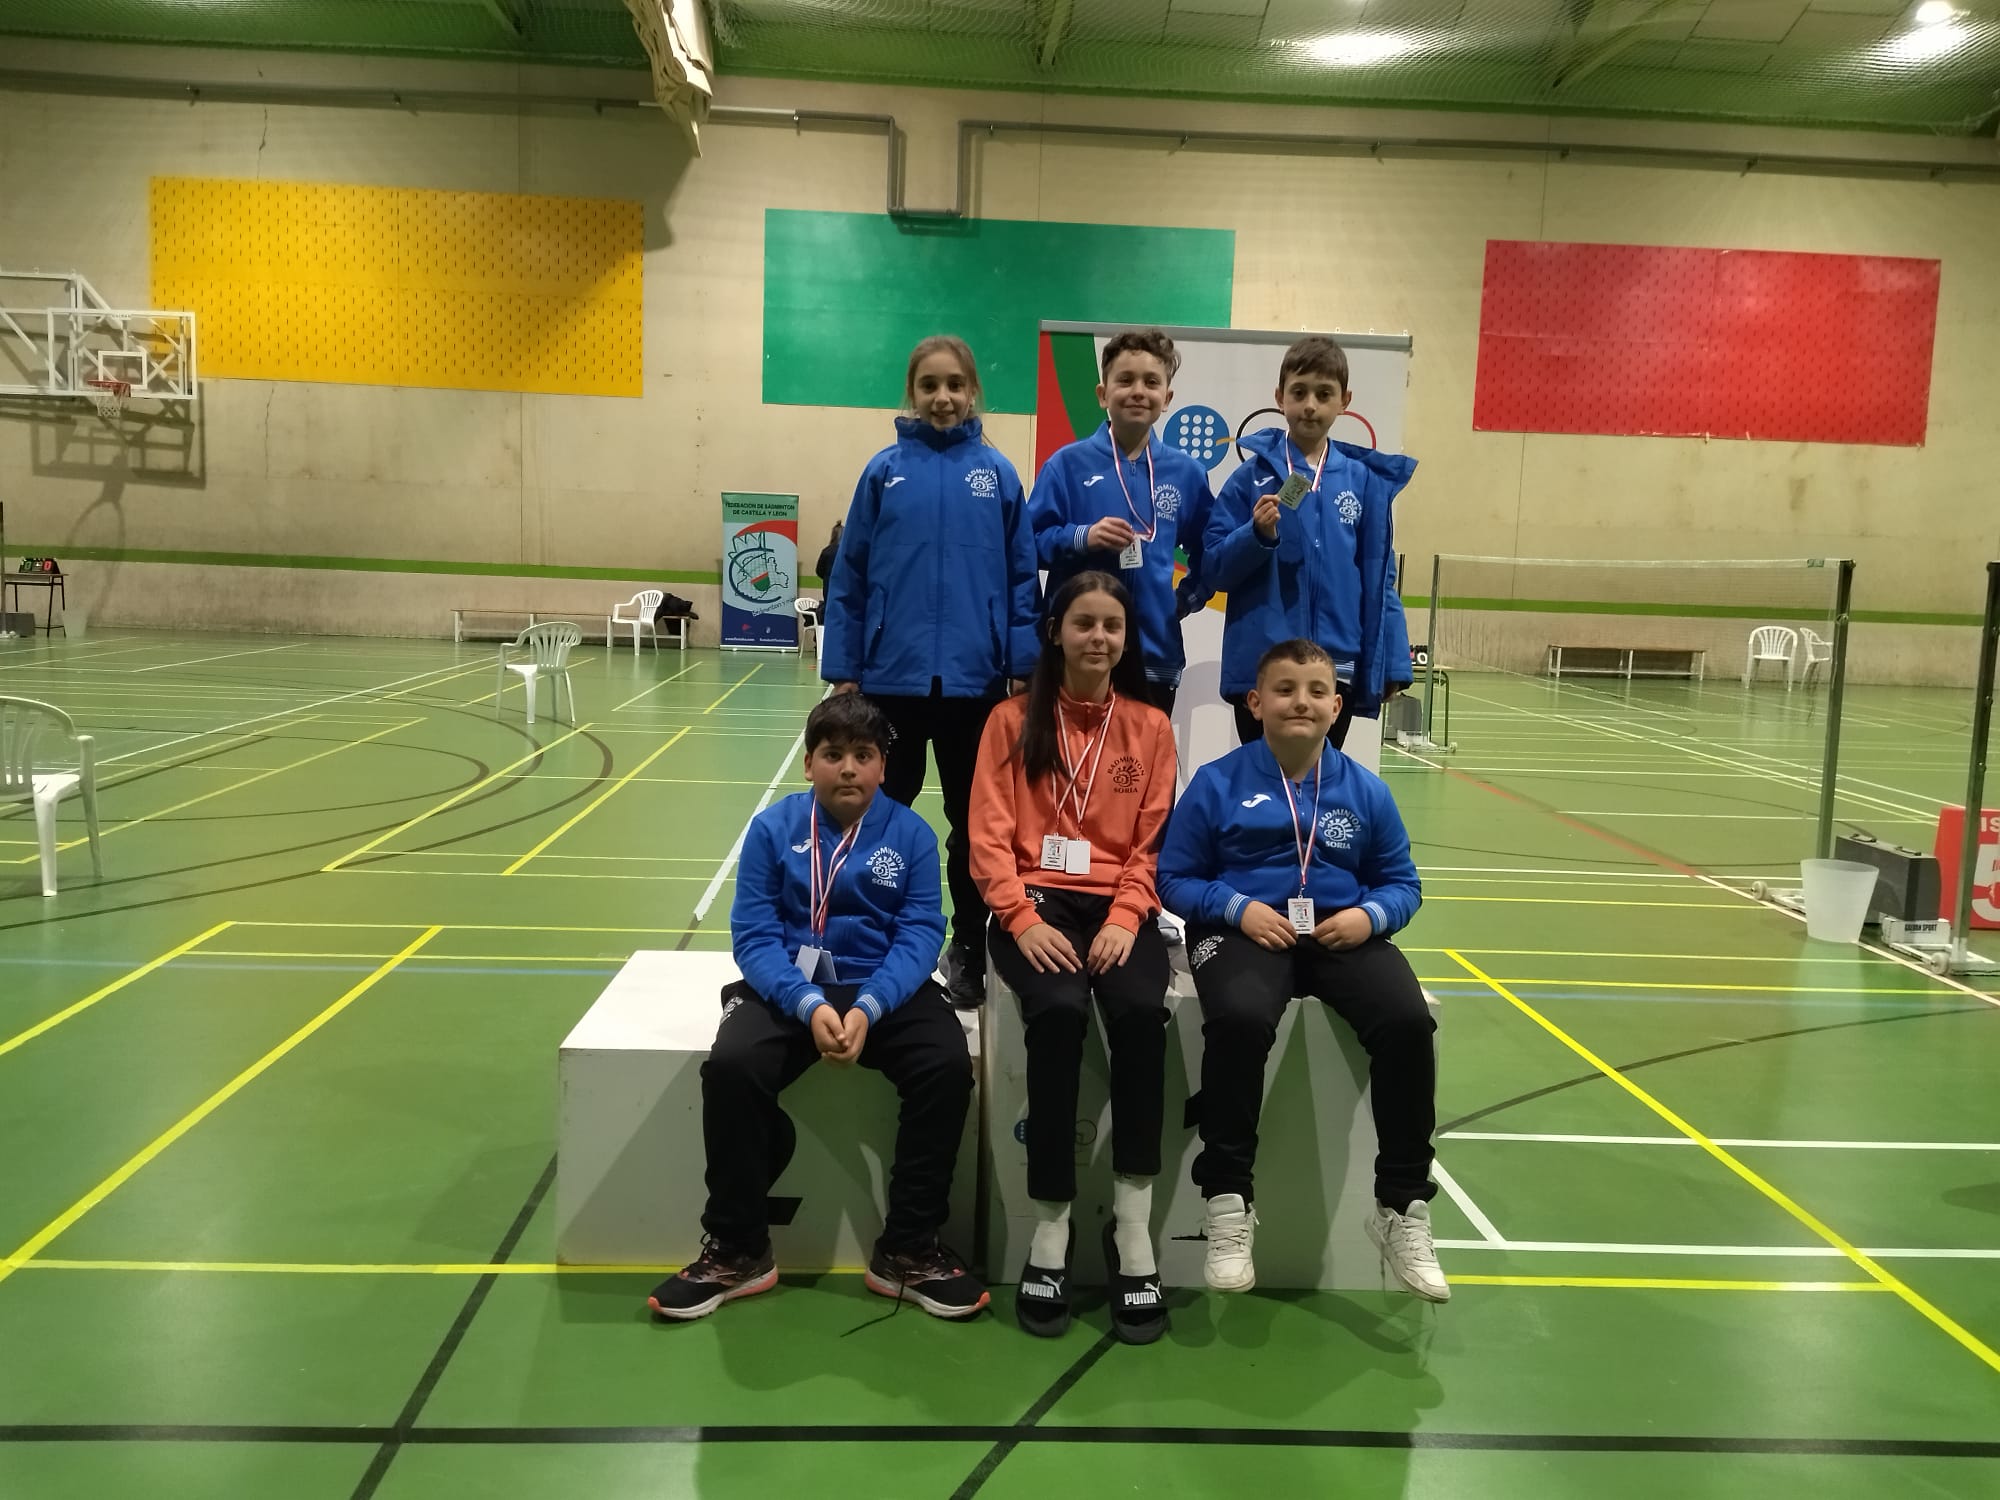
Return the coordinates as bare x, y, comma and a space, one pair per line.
1118, 468
1081, 789
1303, 843
1318, 468
821, 894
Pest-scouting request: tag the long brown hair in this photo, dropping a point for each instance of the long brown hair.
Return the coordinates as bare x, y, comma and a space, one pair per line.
1128, 673
941, 343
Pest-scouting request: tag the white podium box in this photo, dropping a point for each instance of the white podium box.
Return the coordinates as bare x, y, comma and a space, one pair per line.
1315, 1155
629, 1188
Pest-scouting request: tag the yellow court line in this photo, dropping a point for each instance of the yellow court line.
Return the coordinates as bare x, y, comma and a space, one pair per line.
1669, 1284
1583, 901
435, 958
110, 989
1753, 989
437, 682
499, 874
452, 801
737, 684
592, 806
64, 1221
377, 1268
1866, 1263
234, 786
657, 686
1721, 958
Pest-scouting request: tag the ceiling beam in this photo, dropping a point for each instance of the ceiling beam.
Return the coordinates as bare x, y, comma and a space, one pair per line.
1578, 64
503, 11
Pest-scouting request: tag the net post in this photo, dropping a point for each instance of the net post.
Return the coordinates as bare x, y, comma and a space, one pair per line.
1431, 646
1975, 778
1836, 680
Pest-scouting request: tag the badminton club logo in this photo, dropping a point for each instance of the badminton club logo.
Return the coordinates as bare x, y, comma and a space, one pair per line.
985, 483
885, 867
1348, 505
1201, 432
1337, 829
1166, 502
1203, 951
1126, 773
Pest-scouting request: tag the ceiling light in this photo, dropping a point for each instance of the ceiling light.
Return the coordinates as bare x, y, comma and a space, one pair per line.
1933, 12
1926, 42
1357, 49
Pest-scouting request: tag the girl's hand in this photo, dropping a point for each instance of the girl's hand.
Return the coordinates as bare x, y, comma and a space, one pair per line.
1348, 928
845, 687
1109, 949
1047, 950
1264, 927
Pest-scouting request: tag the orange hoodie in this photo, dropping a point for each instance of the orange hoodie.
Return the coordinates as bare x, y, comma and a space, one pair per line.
1128, 807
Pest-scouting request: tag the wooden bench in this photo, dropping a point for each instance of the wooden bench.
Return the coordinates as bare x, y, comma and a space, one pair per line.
1627, 661
673, 627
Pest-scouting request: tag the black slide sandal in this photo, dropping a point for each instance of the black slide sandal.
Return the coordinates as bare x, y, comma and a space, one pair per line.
1138, 1303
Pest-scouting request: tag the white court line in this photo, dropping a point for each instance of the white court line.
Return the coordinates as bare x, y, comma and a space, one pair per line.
1771, 1252
1681, 1140
279, 713
657, 686
1803, 815
1466, 1206
224, 656
729, 860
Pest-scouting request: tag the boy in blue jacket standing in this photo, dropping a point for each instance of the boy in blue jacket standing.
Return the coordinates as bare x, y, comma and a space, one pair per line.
934, 607
835, 926
1120, 501
1301, 541
1291, 867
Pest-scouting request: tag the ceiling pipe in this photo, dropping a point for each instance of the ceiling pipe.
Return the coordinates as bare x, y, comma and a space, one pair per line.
1372, 144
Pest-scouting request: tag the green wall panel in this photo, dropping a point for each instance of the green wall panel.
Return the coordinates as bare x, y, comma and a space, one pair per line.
847, 295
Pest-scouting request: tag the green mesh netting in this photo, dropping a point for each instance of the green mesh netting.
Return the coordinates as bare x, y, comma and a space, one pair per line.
1820, 62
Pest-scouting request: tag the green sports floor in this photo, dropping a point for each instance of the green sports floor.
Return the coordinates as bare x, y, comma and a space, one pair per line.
277, 1103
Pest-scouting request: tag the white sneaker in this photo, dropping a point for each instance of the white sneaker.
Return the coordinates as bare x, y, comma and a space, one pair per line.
1229, 1227
1405, 1242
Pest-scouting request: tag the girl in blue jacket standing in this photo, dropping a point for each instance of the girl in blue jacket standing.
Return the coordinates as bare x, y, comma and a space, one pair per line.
932, 607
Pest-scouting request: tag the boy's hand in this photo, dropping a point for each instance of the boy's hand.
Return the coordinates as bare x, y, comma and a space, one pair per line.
1109, 535
854, 1036
1047, 950
845, 687
1109, 949
1264, 927
828, 1034
1349, 928
1016, 686
1265, 518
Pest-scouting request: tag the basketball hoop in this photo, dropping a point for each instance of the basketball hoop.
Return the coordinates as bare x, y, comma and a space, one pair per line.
107, 397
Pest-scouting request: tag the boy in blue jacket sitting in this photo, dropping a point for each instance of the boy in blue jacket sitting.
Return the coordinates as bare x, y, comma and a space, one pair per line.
1301, 540
836, 925
1291, 867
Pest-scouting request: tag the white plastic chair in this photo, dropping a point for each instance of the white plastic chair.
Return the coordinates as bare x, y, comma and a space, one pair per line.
22, 721
549, 644
645, 602
808, 613
1776, 643
1819, 651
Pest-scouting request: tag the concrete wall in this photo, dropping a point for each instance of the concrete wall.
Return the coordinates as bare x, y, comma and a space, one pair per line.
1342, 241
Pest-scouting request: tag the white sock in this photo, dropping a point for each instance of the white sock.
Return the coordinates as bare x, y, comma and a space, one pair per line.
1050, 1247
1132, 1227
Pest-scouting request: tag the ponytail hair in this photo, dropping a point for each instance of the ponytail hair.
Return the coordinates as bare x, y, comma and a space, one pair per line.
1128, 674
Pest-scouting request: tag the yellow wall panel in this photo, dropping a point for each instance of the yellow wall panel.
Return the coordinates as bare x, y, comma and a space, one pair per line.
399, 286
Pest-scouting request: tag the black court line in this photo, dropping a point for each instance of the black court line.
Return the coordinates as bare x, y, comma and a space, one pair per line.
1667, 1057
406, 1421
1043, 1405
1220, 1437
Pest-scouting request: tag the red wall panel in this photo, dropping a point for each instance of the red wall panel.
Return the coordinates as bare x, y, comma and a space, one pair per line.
1662, 341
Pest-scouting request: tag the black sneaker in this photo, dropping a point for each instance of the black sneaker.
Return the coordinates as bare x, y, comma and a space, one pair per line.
1138, 1303
965, 976
1041, 1302
717, 1275
934, 1278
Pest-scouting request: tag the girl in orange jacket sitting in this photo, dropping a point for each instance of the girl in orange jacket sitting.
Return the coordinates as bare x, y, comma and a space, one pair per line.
1073, 786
